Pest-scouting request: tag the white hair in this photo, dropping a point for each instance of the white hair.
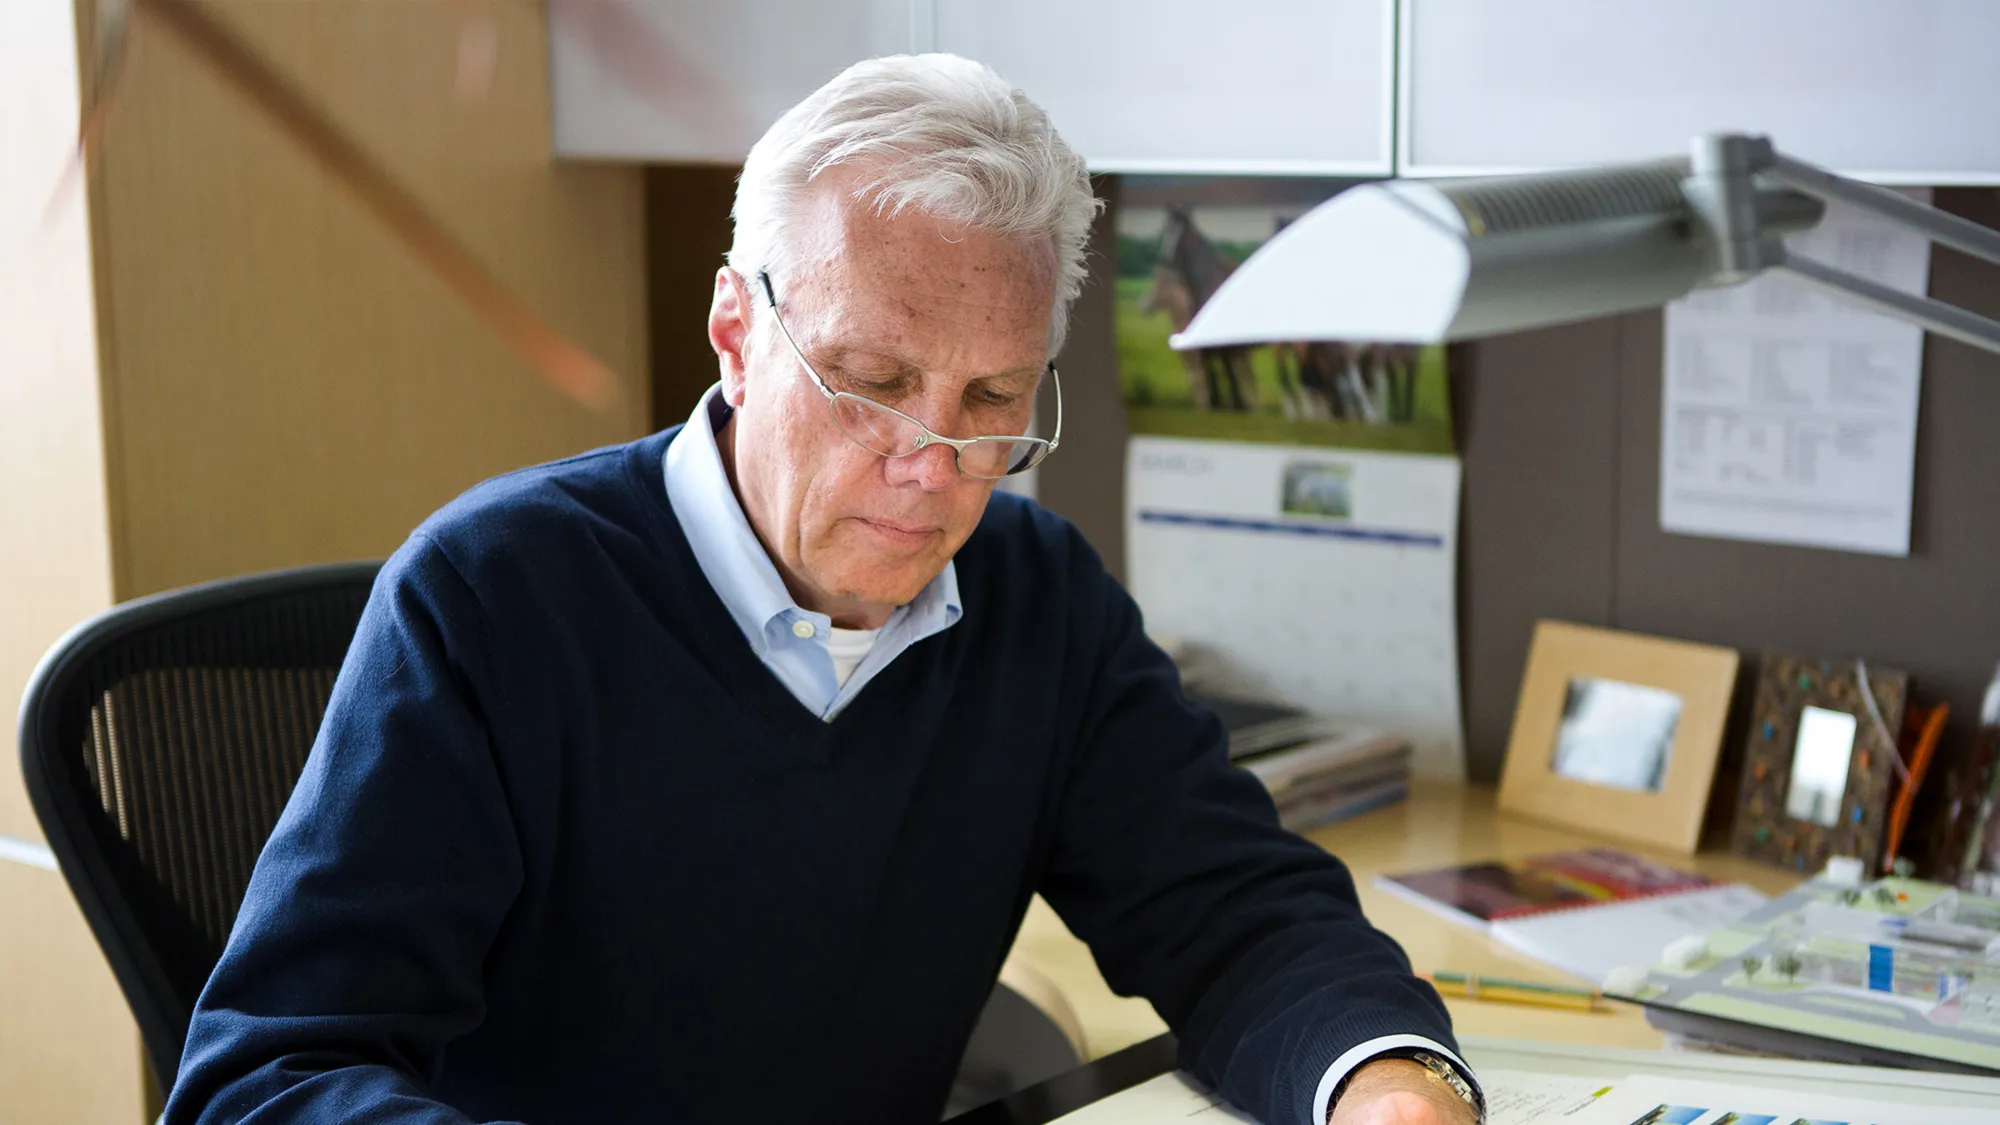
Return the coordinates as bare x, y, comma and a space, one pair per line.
938, 134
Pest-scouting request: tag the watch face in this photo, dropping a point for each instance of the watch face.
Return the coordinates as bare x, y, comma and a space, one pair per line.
1449, 1073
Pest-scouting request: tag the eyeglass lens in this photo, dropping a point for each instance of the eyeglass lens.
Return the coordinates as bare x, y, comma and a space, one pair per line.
881, 430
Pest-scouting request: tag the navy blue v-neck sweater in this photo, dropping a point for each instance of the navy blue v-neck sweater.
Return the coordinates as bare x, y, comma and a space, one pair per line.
566, 851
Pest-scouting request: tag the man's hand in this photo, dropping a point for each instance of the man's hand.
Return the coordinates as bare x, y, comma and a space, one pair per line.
1398, 1092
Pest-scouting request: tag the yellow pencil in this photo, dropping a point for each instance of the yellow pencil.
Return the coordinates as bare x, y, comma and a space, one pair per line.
1475, 987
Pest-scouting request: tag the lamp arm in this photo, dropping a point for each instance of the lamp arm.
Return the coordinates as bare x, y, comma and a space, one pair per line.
1926, 312
1962, 235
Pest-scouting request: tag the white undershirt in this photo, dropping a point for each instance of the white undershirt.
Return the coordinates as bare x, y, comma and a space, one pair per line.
849, 648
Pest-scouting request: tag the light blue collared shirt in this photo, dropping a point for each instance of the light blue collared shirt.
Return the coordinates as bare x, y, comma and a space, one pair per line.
791, 641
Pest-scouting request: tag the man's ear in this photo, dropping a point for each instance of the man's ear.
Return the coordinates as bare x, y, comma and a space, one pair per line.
729, 331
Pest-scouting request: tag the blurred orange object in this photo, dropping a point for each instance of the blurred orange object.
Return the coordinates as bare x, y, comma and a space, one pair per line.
1921, 727
566, 366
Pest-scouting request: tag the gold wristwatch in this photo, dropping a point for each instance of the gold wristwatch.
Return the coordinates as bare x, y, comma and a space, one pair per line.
1440, 1068
1449, 1075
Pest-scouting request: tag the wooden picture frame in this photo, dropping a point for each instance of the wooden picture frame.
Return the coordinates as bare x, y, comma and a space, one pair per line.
1598, 744
1798, 698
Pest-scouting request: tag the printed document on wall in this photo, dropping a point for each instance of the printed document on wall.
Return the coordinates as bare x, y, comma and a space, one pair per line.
1790, 415
1316, 575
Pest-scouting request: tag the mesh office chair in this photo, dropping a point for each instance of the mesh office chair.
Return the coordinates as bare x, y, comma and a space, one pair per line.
159, 741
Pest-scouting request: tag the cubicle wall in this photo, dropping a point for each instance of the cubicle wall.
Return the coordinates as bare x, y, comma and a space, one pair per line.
1561, 438
1562, 517
68, 1050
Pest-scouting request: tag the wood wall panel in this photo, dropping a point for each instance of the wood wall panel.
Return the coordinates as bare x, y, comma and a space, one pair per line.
286, 385
55, 566
69, 1049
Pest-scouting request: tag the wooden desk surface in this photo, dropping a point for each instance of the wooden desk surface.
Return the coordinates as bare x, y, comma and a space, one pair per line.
1438, 825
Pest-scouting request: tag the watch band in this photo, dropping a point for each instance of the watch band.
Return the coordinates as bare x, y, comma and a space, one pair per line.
1449, 1075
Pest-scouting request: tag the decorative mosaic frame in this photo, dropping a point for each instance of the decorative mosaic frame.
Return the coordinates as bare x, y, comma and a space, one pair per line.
1786, 685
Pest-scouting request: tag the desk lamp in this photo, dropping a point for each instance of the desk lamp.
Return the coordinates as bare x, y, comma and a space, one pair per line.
1413, 261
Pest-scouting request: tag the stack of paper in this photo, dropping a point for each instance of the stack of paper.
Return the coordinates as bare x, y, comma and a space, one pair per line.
1587, 912
1318, 769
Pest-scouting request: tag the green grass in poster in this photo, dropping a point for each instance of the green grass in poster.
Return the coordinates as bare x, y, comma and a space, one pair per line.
1158, 400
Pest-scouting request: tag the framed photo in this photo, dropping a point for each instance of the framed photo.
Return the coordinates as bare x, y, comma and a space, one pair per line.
1617, 734
1818, 765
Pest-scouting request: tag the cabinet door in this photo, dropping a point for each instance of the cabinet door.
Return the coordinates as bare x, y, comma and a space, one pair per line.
1899, 91
700, 80
1299, 86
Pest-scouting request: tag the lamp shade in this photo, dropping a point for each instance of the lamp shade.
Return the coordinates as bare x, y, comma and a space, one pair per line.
1411, 261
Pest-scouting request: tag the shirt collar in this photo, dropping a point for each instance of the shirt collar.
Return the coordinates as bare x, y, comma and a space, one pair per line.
733, 560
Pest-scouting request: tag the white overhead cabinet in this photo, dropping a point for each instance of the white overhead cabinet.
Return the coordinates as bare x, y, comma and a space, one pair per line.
1136, 85
1299, 86
700, 80
1897, 91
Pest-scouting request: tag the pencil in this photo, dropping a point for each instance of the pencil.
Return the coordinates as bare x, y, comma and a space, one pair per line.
1475, 987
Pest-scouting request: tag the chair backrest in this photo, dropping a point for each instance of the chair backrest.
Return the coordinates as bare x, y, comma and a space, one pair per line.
159, 742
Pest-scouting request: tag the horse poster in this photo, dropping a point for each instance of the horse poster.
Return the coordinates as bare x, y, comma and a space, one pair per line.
1291, 510
1171, 258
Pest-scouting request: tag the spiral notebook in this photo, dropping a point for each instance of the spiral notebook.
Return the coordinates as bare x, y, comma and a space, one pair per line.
1586, 912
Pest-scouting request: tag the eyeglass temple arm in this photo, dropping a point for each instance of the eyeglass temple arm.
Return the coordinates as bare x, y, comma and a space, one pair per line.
1055, 439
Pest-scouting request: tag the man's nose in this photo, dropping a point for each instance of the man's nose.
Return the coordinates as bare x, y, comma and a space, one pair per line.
934, 468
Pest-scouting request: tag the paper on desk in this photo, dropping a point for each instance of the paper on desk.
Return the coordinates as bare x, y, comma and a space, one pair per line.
1512, 1098
1641, 1100
1593, 941
1789, 415
1526, 1097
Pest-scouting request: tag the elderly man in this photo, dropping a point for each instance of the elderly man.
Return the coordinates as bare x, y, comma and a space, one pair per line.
707, 778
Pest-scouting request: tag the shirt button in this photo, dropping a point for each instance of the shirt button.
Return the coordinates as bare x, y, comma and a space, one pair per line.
803, 630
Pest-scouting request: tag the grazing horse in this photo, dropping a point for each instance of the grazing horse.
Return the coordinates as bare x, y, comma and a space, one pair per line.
1169, 295
1359, 382
1375, 383
1191, 269
1397, 364
1308, 371
1308, 377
